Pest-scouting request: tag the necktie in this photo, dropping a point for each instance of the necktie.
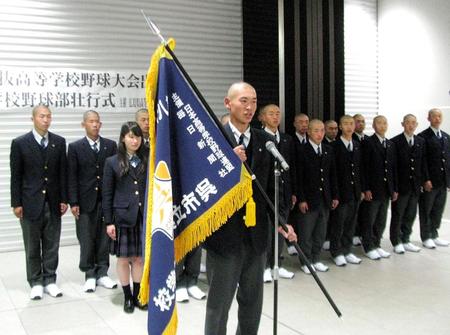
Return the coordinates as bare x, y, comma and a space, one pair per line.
134, 161
304, 141
439, 134
319, 152
43, 142
410, 143
384, 143
95, 147
241, 140
349, 147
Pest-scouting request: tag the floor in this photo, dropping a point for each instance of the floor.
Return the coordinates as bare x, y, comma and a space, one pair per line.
406, 294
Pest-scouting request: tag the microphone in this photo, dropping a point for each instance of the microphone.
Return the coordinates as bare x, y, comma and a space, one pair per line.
271, 147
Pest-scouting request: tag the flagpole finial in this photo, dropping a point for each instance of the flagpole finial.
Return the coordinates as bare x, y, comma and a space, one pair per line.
153, 27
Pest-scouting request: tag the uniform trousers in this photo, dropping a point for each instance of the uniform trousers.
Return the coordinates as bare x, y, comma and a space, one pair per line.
94, 243
41, 241
342, 227
188, 269
312, 227
403, 214
374, 223
431, 208
242, 270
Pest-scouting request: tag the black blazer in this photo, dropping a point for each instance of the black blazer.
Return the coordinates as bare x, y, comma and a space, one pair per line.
356, 137
286, 147
36, 177
412, 169
438, 157
316, 176
229, 238
380, 170
86, 172
348, 170
122, 196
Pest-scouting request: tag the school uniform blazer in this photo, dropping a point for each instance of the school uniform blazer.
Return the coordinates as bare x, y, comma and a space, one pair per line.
122, 196
438, 157
380, 170
356, 138
316, 176
231, 236
86, 172
348, 170
286, 147
412, 169
36, 177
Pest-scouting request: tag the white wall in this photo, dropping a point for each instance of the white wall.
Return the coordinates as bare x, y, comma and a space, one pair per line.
414, 61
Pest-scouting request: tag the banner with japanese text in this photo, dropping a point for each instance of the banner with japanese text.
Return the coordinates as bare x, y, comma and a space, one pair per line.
73, 89
195, 183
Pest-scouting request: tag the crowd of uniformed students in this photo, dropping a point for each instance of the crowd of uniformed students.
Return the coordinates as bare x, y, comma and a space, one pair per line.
103, 183
345, 180
336, 194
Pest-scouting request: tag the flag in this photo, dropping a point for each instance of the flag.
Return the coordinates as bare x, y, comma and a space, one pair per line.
195, 183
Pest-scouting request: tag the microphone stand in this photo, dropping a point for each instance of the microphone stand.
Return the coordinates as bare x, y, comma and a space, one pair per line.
276, 173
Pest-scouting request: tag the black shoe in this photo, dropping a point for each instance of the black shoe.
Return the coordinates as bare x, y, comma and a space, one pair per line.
128, 306
140, 306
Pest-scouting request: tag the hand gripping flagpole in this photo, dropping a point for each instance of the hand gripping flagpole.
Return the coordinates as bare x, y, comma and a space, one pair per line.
154, 28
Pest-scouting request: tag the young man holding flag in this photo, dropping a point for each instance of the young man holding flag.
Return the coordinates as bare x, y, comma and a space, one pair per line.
236, 252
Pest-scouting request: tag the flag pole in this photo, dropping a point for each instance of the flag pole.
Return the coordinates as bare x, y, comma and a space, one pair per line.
154, 28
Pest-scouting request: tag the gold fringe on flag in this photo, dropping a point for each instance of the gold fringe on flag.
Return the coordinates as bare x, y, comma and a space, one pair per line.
216, 216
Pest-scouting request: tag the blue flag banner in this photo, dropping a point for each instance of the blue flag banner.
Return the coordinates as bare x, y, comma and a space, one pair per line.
195, 183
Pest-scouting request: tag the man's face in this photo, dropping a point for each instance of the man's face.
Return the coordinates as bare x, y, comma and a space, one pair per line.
360, 124
435, 119
410, 125
316, 132
272, 117
331, 130
380, 125
142, 121
347, 127
301, 124
42, 119
92, 125
241, 104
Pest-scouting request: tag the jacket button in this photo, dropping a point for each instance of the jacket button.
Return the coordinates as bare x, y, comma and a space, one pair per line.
321, 170
385, 162
44, 191
385, 170
135, 182
45, 167
320, 189
321, 179
352, 182
97, 166
96, 188
46, 179
412, 168
384, 179
412, 159
443, 159
140, 204
98, 177
353, 173
137, 192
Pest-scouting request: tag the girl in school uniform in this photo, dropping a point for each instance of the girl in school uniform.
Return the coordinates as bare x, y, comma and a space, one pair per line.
124, 182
